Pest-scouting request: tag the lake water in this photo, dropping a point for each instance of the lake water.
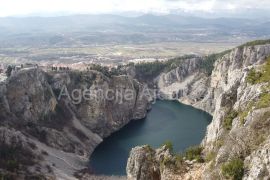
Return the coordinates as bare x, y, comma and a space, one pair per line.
172, 121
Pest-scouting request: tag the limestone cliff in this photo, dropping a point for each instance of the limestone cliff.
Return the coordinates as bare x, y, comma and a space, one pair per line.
239, 104
188, 83
65, 131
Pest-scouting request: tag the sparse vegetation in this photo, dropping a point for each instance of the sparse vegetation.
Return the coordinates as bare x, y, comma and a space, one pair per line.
262, 76
14, 158
255, 43
57, 119
234, 169
266, 72
243, 115
210, 156
264, 100
149, 70
7, 176
219, 143
174, 163
227, 124
253, 76
258, 140
191, 153
168, 145
194, 153
208, 64
106, 71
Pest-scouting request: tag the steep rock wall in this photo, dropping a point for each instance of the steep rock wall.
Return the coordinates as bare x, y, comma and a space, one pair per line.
64, 127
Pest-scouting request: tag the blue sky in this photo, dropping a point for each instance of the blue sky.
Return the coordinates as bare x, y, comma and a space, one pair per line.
26, 7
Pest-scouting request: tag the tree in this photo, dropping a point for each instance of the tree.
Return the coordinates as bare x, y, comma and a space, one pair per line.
8, 71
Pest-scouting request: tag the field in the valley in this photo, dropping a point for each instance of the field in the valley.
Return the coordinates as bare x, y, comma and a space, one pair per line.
110, 54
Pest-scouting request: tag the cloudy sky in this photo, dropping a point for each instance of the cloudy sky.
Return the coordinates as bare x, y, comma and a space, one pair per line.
26, 7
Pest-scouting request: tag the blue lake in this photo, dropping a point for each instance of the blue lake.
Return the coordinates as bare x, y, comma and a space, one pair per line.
172, 121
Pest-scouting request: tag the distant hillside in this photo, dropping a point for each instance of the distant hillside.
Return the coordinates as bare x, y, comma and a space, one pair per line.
92, 29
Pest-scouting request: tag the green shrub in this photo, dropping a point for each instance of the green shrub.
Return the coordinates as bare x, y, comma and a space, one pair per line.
194, 153
264, 101
178, 158
253, 76
227, 124
234, 169
242, 116
210, 156
258, 140
174, 163
266, 72
244, 113
262, 76
168, 145
166, 161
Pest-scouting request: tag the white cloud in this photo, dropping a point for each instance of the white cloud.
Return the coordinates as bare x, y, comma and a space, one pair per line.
24, 7
195, 6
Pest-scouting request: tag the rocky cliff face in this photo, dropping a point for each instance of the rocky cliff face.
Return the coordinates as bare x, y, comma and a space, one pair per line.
240, 110
67, 128
186, 83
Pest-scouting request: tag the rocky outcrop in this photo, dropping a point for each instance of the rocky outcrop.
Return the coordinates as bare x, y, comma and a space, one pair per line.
259, 163
139, 168
54, 111
179, 74
154, 164
147, 163
240, 123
